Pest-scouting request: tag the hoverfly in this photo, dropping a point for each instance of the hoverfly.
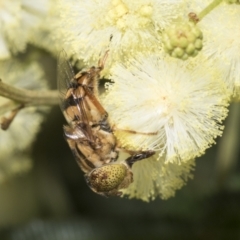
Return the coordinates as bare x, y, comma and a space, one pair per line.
89, 134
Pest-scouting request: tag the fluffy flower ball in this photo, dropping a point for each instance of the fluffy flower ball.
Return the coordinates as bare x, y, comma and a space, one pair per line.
18, 18
88, 25
221, 44
166, 105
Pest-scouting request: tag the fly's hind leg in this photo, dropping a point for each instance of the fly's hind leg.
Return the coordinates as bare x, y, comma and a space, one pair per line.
137, 156
102, 112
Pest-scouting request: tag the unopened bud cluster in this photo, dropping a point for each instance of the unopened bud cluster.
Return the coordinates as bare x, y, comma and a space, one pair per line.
183, 40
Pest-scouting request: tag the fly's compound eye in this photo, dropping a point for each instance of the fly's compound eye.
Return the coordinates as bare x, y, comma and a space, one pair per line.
107, 177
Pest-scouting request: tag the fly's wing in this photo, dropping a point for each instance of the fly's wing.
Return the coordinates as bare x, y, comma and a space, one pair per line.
65, 75
71, 101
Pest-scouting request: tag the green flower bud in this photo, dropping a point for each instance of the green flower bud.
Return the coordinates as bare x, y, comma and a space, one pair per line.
183, 40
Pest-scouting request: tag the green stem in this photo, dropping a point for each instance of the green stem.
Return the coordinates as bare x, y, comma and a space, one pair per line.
209, 8
28, 97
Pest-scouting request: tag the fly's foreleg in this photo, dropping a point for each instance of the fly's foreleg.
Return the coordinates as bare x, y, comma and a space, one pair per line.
102, 60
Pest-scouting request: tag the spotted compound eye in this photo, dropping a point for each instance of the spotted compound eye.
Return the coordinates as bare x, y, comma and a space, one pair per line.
107, 177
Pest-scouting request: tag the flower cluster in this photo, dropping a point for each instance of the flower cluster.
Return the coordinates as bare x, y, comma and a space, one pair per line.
164, 102
160, 104
18, 20
183, 40
155, 100
221, 44
127, 27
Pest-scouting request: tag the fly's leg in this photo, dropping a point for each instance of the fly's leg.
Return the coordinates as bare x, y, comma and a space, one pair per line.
135, 155
116, 129
5, 122
138, 156
93, 94
96, 103
102, 60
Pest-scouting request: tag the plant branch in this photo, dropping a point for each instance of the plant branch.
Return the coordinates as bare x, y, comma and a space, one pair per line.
7, 106
28, 97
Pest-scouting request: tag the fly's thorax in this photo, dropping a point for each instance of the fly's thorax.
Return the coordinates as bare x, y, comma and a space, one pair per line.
88, 77
110, 178
84, 77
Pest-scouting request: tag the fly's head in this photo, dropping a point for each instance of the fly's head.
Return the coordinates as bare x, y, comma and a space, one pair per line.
109, 179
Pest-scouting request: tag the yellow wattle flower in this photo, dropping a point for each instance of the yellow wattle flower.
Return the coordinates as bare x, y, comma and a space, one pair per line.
132, 26
177, 107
